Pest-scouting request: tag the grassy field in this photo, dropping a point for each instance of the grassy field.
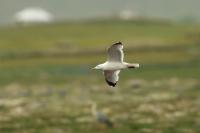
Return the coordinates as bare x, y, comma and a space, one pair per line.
46, 82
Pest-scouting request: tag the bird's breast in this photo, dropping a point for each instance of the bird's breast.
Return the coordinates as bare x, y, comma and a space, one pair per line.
113, 66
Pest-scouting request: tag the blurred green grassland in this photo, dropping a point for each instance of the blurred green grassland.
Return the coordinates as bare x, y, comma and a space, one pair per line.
46, 78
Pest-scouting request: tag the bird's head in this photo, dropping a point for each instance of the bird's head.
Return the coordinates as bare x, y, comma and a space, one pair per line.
92, 106
98, 67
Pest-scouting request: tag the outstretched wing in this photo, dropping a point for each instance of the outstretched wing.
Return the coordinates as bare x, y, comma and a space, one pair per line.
111, 77
115, 53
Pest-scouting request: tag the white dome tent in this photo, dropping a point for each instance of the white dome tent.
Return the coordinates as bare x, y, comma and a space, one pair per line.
33, 15
128, 14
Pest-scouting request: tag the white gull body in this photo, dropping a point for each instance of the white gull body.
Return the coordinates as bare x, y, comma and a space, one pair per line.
111, 68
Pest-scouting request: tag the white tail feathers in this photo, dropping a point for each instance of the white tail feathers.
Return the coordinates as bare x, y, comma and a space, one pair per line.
133, 65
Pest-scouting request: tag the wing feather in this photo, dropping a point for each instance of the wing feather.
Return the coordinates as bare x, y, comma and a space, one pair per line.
111, 77
115, 53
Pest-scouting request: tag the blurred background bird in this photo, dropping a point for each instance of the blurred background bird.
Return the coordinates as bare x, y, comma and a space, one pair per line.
100, 116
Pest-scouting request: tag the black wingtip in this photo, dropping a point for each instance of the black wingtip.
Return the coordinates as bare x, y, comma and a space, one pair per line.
111, 83
118, 43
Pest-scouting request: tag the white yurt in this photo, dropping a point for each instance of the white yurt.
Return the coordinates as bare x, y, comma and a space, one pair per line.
128, 14
33, 15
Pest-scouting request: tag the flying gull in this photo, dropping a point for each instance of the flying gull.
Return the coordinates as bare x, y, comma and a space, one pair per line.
111, 68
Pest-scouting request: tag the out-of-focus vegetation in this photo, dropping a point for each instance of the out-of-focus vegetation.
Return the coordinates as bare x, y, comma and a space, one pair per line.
46, 81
